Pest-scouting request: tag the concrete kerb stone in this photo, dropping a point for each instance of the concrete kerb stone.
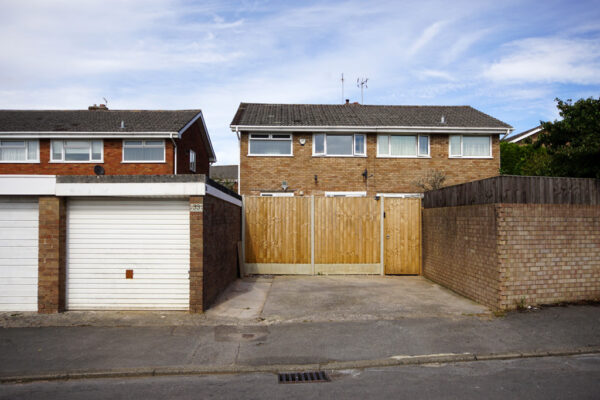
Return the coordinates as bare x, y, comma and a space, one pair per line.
393, 361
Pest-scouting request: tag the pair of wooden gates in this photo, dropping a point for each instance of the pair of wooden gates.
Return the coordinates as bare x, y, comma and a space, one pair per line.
332, 235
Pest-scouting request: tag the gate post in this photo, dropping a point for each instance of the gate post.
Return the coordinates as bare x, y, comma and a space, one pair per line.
382, 237
312, 233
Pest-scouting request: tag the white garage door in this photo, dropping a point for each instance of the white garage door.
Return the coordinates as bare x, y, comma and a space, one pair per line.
128, 254
18, 254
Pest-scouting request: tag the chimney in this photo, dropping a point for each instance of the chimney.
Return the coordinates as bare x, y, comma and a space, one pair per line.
347, 101
98, 107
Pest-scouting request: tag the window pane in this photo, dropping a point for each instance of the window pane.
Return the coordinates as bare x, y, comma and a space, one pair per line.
77, 153
57, 147
32, 150
403, 145
280, 136
319, 143
423, 145
77, 144
455, 146
154, 142
153, 154
132, 142
12, 153
359, 144
383, 144
476, 146
96, 150
339, 144
270, 147
258, 136
133, 154
13, 143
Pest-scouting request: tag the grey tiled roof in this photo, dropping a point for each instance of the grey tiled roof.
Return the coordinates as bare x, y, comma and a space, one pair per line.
518, 136
94, 121
223, 172
255, 114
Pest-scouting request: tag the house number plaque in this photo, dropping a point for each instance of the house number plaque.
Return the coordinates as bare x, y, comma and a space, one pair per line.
196, 207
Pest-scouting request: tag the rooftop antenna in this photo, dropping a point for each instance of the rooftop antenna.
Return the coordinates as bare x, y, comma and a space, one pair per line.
362, 84
105, 101
342, 88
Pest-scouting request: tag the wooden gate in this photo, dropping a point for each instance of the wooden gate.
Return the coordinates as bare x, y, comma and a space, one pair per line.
331, 235
402, 230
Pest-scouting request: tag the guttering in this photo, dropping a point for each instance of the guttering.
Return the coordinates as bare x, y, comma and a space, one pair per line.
375, 129
174, 155
81, 135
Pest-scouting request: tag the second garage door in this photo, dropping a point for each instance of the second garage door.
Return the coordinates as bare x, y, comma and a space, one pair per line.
128, 254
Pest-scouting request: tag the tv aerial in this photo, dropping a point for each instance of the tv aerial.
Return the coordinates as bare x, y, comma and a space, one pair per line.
362, 84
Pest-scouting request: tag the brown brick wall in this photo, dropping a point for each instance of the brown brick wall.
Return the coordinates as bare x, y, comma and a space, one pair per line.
192, 140
503, 254
459, 251
51, 256
222, 232
548, 253
214, 234
345, 173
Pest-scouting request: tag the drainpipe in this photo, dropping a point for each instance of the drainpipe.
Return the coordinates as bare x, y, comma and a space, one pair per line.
174, 155
237, 132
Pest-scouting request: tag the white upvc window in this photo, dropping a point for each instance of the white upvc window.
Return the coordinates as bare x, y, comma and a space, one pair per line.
345, 194
340, 145
270, 144
192, 161
19, 151
461, 146
146, 151
276, 194
77, 151
402, 195
403, 146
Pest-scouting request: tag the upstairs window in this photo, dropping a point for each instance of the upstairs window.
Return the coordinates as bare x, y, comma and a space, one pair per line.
403, 146
192, 161
144, 151
470, 146
339, 145
270, 144
19, 151
77, 151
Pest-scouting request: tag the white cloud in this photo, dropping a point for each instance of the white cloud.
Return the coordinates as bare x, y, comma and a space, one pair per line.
549, 60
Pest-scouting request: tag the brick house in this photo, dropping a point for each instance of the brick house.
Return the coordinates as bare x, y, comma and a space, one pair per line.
359, 150
102, 141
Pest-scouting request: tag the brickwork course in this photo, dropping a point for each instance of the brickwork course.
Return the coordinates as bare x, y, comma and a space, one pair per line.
385, 175
511, 255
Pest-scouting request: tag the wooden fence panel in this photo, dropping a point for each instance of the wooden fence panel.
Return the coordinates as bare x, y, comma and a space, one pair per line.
347, 230
402, 228
277, 230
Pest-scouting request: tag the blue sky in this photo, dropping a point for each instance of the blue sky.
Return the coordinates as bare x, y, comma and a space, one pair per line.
509, 59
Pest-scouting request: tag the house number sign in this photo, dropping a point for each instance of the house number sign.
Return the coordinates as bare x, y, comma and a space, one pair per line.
196, 207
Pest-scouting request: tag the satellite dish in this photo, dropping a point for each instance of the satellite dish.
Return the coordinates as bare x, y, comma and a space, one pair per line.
99, 170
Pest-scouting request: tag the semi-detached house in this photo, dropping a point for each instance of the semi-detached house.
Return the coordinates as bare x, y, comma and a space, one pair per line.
360, 150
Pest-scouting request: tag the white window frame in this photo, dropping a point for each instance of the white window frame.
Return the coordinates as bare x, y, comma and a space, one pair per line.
36, 160
270, 137
276, 194
89, 141
192, 160
143, 145
461, 147
354, 153
401, 195
345, 194
417, 155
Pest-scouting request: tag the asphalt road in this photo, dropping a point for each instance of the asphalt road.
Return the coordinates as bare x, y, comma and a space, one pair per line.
576, 377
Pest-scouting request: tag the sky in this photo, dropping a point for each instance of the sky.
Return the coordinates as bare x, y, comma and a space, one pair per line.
509, 59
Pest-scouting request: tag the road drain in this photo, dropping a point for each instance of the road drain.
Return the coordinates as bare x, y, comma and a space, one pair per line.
303, 377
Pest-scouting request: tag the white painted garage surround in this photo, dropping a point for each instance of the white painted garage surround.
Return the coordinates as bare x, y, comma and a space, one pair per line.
19, 224
106, 237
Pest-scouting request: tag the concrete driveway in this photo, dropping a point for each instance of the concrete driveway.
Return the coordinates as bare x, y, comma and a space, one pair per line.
340, 298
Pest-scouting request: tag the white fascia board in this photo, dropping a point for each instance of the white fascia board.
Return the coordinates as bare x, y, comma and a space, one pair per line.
376, 129
83, 135
518, 139
222, 195
27, 185
213, 156
131, 189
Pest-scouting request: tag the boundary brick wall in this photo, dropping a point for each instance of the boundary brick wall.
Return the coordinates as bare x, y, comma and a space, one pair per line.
52, 254
460, 251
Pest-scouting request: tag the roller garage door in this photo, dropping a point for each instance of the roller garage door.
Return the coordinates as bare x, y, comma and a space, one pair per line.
128, 254
19, 221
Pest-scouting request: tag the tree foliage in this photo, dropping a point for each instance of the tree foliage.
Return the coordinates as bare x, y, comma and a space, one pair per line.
524, 159
432, 180
573, 143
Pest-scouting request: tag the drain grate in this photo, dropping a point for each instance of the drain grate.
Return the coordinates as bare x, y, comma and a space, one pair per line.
303, 377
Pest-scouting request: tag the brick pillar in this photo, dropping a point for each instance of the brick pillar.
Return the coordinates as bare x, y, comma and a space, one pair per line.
196, 254
52, 255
